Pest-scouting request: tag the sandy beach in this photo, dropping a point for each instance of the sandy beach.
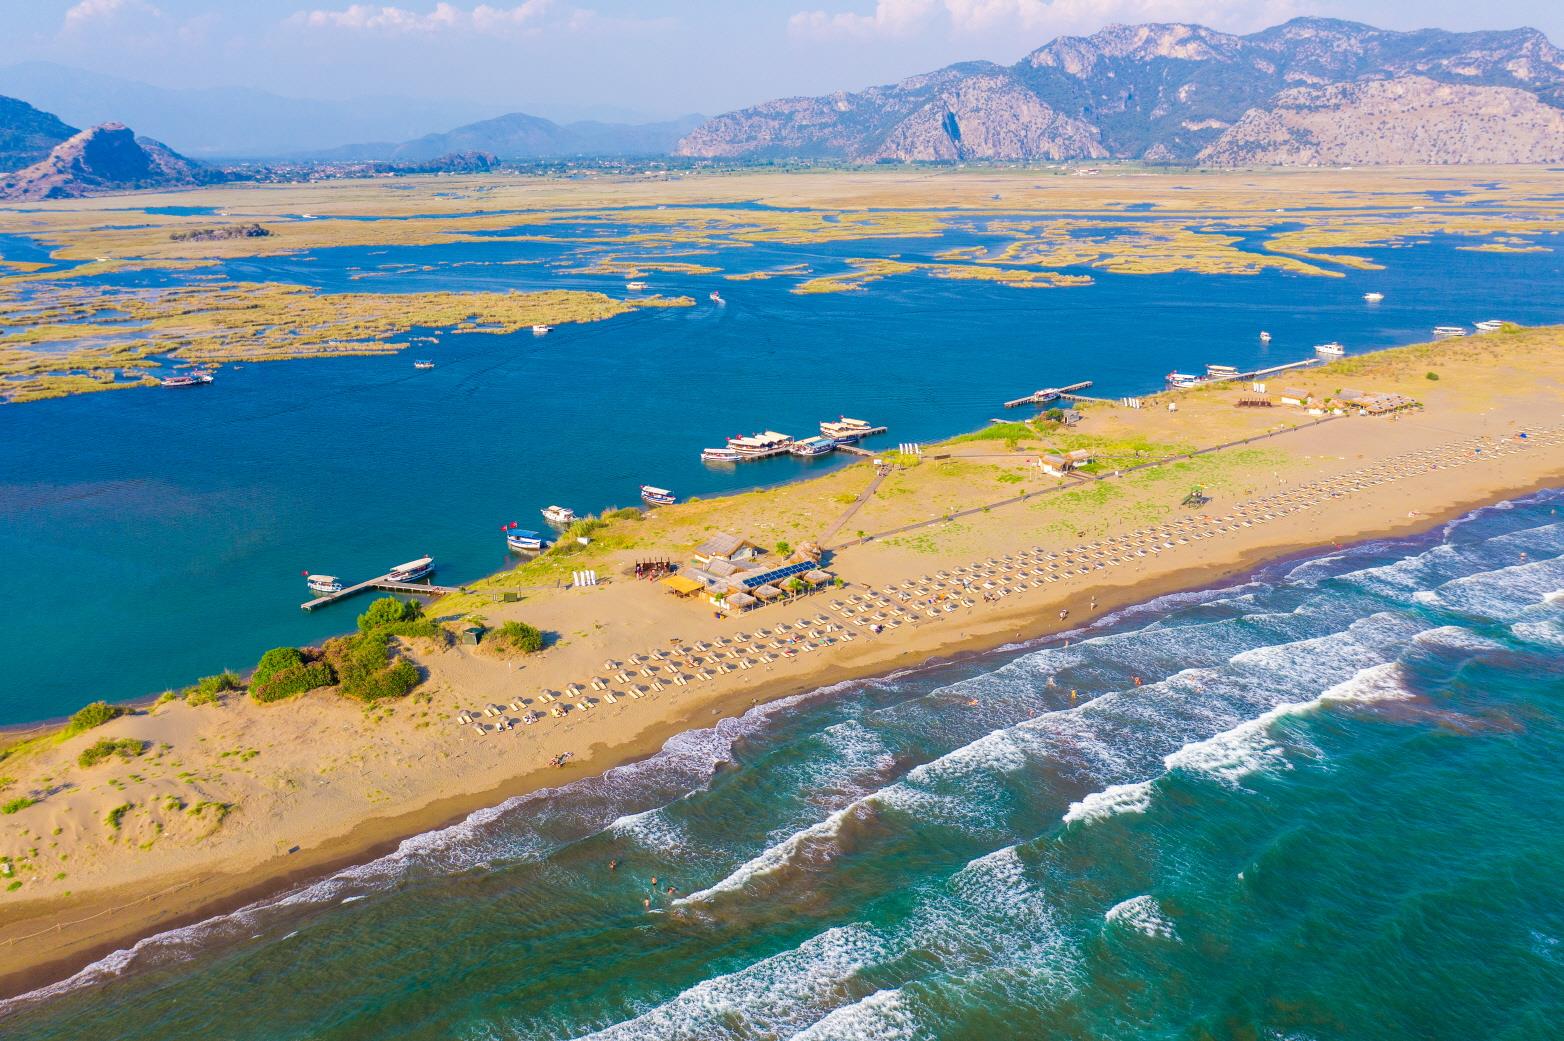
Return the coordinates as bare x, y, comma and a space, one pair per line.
115, 851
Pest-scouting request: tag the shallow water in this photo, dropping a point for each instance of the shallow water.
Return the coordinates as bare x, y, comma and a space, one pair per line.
1329, 812
155, 536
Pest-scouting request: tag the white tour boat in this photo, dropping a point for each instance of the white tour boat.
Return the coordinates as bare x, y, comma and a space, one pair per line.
194, 379
759, 446
1447, 332
559, 514
423, 363
522, 540
1492, 325
657, 496
845, 430
541, 330
1183, 379
1221, 372
635, 286
719, 455
324, 584
412, 571
1373, 298
813, 446
1265, 337
1334, 349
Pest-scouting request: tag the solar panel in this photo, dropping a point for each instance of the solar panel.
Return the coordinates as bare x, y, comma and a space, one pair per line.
779, 575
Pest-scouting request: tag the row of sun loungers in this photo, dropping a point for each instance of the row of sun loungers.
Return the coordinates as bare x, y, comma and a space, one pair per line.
869, 612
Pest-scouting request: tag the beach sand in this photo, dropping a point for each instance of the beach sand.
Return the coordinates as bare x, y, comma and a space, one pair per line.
318, 781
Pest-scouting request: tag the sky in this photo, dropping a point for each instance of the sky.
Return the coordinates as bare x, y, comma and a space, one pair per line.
654, 58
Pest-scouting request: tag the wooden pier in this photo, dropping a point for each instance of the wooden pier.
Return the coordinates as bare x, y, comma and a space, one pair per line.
383, 584
855, 450
1044, 396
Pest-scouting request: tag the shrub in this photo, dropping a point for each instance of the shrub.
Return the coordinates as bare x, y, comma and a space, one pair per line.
1432, 376
523, 637
17, 805
93, 715
388, 610
103, 748
287, 683
117, 815
274, 661
208, 690
626, 513
364, 668
784, 548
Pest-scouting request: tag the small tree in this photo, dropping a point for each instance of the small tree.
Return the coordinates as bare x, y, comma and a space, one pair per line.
388, 610
278, 659
94, 715
784, 547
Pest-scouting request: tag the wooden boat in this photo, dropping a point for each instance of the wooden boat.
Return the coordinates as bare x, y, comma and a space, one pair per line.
719, 455
657, 496
194, 379
559, 514
423, 363
524, 541
324, 584
412, 571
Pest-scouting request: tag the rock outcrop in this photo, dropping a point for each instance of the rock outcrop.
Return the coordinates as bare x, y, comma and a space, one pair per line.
105, 158
1171, 93
1411, 119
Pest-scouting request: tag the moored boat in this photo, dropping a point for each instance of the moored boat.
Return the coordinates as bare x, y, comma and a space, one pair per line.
635, 286
758, 446
1373, 298
719, 455
1265, 337
423, 363
541, 330
412, 571
324, 584
1334, 349
657, 496
1183, 379
559, 514
1221, 372
845, 430
1492, 325
523, 540
1447, 332
813, 446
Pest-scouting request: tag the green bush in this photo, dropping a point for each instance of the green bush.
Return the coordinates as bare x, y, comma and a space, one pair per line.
287, 683
1433, 376
626, 513
784, 548
523, 637
276, 660
17, 805
364, 668
103, 748
93, 715
388, 610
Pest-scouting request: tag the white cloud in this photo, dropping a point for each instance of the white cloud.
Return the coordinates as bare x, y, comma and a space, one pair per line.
443, 17
92, 12
907, 17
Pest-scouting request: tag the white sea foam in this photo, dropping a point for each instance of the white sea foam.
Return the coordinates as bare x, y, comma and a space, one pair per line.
774, 857
882, 1016
1114, 799
1144, 915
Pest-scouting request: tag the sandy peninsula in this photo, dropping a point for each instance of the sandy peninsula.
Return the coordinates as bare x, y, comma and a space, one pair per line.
972, 546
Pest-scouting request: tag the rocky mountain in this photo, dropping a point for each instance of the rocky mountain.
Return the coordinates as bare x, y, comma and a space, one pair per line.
522, 136
1174, 92
27, 134
105, 158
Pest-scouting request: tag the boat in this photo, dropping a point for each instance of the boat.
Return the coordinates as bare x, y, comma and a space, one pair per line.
541, 330
635, 286
657, 496
1448, 332
845, 431
412, 571
194, 379
719, 455
716, 297
1183, 379
525, 541
759, 446
1221, 372
423, 363
1334, 349
1373, 298
559, 514
1265, 337
324, 584
812, 446
1492, 325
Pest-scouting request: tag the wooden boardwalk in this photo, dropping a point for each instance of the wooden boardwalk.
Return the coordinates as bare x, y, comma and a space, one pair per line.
383, 584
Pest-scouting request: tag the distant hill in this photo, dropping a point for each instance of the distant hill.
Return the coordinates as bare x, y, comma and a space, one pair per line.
522, 136
1310, 91
26, 134
229, 122
105, 158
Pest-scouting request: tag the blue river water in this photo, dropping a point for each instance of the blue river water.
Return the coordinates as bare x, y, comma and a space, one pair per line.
153, 536
1330, 813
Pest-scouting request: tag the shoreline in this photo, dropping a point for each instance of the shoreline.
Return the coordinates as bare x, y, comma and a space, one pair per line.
205, 895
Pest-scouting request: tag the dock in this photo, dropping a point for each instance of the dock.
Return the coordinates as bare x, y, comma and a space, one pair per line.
1047, 394
382, 584
855, 450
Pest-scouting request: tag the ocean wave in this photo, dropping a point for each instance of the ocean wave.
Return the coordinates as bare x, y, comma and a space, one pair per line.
1144, 915
882, 1016
1114, 799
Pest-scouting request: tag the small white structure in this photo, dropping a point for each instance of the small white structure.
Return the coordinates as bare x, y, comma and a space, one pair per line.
581, 579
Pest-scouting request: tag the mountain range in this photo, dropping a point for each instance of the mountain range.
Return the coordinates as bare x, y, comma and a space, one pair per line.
105, 158
518, 135
1309, 91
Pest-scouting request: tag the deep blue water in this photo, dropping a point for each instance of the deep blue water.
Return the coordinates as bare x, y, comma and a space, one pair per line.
1330, 813
155, 536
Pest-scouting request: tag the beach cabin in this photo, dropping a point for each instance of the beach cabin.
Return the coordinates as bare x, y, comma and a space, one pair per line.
1078, 458
724, 546
737, 602
1296, 396
683, 586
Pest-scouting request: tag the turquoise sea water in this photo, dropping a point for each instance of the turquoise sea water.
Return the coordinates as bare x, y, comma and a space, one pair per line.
155, 536
1330, 813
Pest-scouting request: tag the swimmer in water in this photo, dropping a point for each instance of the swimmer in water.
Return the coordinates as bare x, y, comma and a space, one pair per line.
613, 865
